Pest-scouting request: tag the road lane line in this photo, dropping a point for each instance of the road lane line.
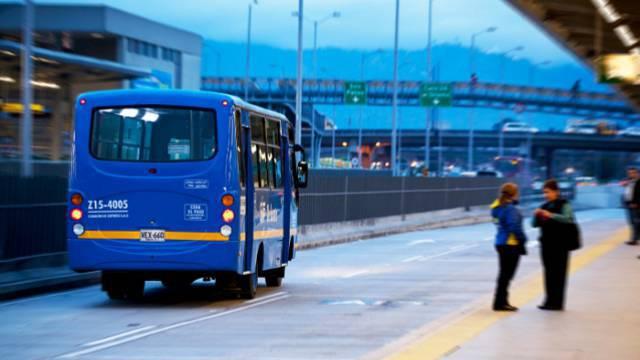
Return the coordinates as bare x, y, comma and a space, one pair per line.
354, 274
413, 258
169, 327
118, 336
424, 241
451, 251
445, 339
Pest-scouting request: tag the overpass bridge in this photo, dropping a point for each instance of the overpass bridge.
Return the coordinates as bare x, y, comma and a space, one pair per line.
543, 145
464, 94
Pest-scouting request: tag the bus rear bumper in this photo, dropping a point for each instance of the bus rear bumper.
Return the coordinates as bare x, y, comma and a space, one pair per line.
123, 255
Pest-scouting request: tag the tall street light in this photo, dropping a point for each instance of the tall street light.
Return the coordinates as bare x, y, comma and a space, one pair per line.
363, 63
298, 135
429, 110
247, 68
472, 110
503, 65
26, 125
316, 24
394, 114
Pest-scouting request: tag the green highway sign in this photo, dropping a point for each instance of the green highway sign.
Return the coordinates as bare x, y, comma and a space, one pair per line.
355, 93
436, 94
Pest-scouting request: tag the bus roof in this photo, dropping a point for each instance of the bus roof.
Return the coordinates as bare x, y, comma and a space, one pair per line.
181, 95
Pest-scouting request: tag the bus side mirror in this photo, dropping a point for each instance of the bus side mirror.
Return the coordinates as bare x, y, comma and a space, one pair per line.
303, 175
302, 168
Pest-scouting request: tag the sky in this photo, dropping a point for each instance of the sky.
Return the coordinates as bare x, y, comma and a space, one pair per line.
363, 24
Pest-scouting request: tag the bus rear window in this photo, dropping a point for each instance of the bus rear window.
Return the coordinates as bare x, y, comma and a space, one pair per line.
154, 134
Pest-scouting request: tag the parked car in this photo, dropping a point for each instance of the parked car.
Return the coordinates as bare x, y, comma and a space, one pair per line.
630, 131
591, 127
519, 127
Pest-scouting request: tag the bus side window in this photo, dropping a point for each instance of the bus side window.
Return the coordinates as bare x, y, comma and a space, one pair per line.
275, 161
241, 167
261, 173
254, 161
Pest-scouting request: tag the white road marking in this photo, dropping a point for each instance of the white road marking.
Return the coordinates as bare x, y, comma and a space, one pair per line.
424, 241
413, 258
118, 336
455, 250
354, 274
169, 327
489, 238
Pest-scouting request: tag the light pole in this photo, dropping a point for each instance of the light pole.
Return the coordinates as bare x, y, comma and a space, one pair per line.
503, 64
26, 125
394, 113
363, 63
429, 112
247, 67
298, 135
472, 111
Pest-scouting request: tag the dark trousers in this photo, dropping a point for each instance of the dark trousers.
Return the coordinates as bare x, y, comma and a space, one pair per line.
555, 260
509, 257
633, 215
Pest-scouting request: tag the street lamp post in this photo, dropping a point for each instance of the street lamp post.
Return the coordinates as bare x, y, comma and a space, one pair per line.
502, 72
247, 68
26, 125
298, 134
394, 114
363, 63
429, 112
316, 24
472, 111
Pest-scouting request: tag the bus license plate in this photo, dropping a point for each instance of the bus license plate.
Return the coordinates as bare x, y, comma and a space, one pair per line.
152, 235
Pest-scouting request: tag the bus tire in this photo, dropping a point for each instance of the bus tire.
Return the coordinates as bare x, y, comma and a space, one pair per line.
274, 277
249, 285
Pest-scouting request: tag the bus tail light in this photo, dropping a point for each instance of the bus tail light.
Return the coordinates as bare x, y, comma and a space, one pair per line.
227, 200
228, 215
76, 214
76, 199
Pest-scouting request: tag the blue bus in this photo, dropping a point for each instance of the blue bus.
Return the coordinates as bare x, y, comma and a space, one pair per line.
178, 185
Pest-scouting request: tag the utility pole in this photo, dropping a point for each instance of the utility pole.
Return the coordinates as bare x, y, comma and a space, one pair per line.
26, 125
394, 115
298, 135
429, 112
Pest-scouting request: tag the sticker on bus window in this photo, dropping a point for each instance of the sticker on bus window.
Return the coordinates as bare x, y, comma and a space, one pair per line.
179, 149
196, 184
195, 212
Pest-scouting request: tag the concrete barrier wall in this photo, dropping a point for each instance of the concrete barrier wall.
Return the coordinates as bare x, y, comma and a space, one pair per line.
606, 196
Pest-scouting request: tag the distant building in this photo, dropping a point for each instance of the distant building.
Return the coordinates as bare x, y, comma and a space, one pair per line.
79, 48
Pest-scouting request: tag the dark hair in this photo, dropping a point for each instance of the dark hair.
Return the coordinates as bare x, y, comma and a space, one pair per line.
632, 168
508, 191
551, 184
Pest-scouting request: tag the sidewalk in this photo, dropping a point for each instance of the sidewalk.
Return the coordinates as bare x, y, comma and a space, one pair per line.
601, 320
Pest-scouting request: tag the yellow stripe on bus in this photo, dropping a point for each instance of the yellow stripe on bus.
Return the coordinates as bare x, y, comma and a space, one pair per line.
169, 235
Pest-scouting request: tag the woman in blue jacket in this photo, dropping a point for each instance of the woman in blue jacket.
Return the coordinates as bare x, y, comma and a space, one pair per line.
510, 242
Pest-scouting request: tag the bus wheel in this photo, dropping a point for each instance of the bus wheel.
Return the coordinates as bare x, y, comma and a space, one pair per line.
274, 277
121, 287
249, 285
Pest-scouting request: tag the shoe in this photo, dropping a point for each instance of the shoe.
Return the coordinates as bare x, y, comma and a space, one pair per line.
506, 307
550, 308
632, 242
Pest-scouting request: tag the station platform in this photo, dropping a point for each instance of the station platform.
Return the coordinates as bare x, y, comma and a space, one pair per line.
600, 320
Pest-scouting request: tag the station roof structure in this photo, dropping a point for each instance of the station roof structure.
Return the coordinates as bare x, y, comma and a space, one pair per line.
589, 29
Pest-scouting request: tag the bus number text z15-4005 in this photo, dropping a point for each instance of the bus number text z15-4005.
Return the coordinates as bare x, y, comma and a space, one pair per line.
108, 205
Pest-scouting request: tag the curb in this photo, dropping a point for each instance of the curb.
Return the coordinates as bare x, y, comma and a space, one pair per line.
24, 288
402, 228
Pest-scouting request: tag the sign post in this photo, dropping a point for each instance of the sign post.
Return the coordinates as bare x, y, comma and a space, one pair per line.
436, 94
355, 93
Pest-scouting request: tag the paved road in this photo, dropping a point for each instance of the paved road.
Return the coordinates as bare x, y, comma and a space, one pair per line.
339, 302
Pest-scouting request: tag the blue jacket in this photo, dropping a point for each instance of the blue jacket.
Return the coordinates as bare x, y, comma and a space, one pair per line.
508, 220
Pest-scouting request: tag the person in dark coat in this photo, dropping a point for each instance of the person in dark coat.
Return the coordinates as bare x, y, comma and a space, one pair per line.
509, 243
554, 250
631, 197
